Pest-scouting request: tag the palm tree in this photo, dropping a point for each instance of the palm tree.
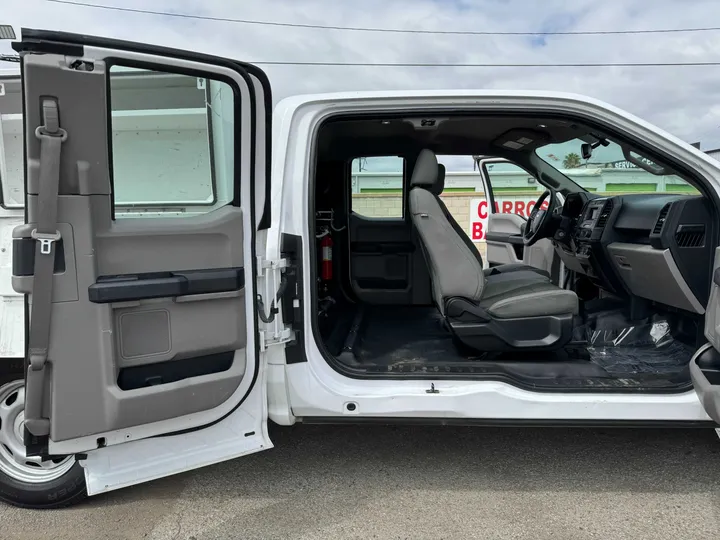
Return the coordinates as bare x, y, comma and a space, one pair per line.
571, 161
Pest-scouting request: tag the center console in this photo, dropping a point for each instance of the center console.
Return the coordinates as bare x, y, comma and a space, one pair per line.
591, 224
582, 252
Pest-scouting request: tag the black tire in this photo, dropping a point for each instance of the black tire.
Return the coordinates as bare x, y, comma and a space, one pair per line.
60, 492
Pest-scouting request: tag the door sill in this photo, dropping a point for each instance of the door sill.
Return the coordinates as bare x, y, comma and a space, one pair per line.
504, 422
480, 374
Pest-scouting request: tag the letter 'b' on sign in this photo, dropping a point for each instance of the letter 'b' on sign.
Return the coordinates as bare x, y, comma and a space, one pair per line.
477, 231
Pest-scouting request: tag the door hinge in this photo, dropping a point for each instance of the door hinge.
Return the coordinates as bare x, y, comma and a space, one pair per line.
273, 284
268, 339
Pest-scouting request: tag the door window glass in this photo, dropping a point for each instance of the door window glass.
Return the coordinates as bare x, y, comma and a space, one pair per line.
12, 191
172, 143
610, 170
377, 186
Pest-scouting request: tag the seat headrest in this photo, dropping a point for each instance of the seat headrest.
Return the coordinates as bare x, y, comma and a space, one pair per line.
440, 184
426, 172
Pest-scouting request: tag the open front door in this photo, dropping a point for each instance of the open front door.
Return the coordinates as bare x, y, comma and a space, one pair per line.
705, 364
510, 193
146, 184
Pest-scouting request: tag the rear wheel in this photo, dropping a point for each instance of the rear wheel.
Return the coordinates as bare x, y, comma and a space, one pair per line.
29, 481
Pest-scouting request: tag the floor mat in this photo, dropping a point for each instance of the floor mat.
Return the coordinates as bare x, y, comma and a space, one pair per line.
669, 359
392, 335
644, 348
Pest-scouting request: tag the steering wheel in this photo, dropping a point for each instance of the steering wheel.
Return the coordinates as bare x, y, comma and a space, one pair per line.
537, 224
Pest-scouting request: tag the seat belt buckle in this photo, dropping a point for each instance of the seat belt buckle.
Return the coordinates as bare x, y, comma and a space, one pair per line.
46, 240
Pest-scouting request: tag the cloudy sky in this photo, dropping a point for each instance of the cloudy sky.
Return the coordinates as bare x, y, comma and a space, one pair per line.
682, 100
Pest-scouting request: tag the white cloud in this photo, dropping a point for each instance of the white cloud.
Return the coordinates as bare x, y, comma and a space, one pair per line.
683, 100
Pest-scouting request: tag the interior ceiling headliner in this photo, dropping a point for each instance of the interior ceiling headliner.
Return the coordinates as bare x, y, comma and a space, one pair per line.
459, 135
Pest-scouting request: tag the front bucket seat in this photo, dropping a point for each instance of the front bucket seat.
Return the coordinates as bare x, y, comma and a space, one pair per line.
518, 308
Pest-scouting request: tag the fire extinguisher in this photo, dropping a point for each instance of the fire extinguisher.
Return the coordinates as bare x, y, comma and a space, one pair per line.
326, 245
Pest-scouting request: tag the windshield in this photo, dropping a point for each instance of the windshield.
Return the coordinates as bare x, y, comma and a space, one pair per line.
608, 171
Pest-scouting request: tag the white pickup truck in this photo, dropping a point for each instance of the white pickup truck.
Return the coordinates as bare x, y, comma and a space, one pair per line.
163, 337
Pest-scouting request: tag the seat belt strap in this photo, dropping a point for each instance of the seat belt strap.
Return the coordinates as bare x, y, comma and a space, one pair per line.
46, 235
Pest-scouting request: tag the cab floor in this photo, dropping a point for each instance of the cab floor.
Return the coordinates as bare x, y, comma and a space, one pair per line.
414, 339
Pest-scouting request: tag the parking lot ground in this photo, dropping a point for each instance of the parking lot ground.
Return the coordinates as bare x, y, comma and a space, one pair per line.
336, 482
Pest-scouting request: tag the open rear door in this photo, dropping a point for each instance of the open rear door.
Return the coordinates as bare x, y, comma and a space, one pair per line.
146, 174
510, 194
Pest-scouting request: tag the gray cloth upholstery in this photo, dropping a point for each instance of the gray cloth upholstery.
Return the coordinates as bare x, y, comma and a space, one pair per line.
455, 265
514, 267
439, 185
454, 262
454, 268
543, 301
426, 173
525, 294
423, 178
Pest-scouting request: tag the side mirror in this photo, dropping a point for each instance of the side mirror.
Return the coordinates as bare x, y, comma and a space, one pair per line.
586, 150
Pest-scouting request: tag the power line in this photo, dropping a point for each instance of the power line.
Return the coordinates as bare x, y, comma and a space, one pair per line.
15, 58
387, 30
470, 65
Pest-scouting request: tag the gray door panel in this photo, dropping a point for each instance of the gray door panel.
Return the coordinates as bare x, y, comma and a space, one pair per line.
706, 383
712, 314
502, 231
386, 264
141, 332
505, 245
138, 298
540, 255
705, 364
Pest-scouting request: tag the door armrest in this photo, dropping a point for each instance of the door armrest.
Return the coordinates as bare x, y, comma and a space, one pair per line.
129, 287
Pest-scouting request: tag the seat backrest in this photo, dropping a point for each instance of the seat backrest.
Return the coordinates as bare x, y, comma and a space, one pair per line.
454, 262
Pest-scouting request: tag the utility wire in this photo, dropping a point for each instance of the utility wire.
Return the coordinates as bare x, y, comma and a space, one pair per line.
462, 65
387, 30
15, 58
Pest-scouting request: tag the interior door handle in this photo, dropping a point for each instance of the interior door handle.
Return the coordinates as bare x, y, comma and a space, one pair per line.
505, 238
129, 287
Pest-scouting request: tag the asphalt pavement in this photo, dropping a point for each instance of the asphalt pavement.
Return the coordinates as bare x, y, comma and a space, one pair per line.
385, 482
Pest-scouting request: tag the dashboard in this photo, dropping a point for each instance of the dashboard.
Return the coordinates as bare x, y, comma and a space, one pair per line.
659, 247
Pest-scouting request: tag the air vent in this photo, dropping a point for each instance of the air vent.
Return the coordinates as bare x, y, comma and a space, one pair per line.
604, 214
661, 219
688, 236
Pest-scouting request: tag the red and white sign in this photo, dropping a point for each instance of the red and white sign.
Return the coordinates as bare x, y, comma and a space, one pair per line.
479, 211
